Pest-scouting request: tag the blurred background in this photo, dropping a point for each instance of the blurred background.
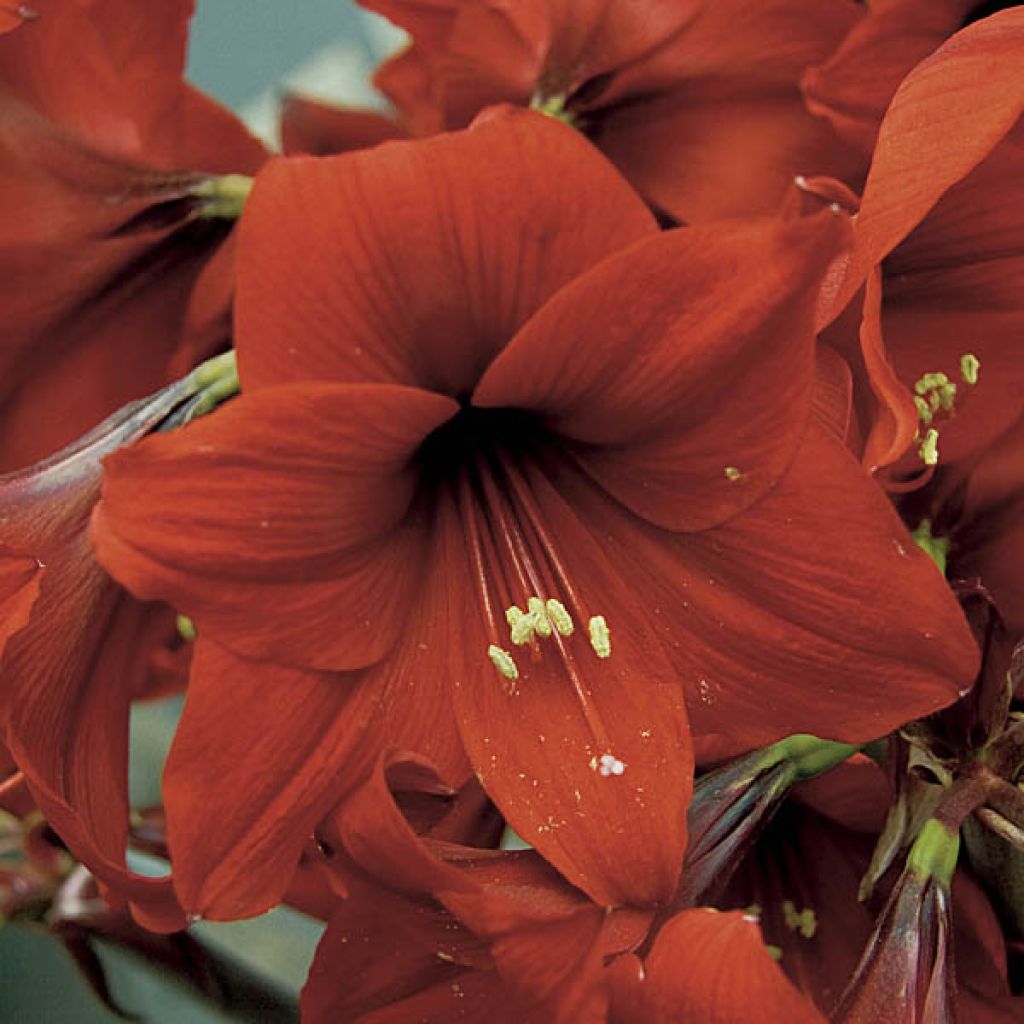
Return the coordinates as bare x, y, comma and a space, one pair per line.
245, 53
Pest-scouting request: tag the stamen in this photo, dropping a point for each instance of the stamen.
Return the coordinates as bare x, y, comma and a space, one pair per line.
521, 626
928, 381
924, 412
516, 524
732, 473
600, 636
503, 662
532, 516
540, 618
559, 616
970, 364
804, 921
929, 448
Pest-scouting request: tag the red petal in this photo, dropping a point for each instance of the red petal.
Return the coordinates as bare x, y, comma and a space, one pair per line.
854, 86
69, 676
796, 617
308, 126
19, 588
408, 80
380, 839
124, 93
705, 158
536, 745
270, 521
245, 783
397, 960
67, 725
946, 117
954, 286
278, 775
895, 423
714, 968
698, 356
558, 966
729, 130
83, 284
500, 52
414, 263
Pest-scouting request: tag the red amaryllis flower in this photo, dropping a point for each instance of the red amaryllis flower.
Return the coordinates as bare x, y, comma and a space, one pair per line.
439, 931
802, 879
106, 227
697, 103
78, 648
512, 472
939, 233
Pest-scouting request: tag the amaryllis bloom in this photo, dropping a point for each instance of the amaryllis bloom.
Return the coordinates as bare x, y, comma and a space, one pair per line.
698, 103
440, 931
77, 651
105, 174
802, 879
939, 233
512, 476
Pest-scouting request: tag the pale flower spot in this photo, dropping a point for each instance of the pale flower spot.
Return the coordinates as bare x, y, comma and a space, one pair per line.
609, 765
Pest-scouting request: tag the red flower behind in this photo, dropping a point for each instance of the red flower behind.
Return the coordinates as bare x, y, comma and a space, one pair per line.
76, 652
698, 103
474, 373
485, 934
105, 235
938, 233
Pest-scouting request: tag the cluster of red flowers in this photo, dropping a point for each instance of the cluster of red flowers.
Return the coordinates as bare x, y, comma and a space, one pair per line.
627, 456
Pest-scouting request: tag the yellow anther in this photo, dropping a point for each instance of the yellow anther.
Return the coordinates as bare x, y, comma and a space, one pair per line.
539, 616
804, 921
970, 364
928, 381
924, 411
929, 448
521, 625
732, 473
503, 662
559, 616
600, 637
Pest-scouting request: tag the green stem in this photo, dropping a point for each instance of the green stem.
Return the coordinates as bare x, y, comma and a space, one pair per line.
212, 383
809, 755
935, 851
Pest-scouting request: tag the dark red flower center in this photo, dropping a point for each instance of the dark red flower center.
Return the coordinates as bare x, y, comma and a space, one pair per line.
491, 461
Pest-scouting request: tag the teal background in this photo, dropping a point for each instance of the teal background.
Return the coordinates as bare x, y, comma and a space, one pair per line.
241, 51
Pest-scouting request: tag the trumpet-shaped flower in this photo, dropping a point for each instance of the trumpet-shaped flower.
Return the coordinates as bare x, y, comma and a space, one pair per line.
521, 483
